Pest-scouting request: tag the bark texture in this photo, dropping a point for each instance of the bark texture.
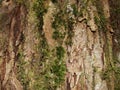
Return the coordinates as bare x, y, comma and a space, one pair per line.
59, 45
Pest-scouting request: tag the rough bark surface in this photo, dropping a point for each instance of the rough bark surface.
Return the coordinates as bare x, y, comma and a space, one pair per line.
59, 45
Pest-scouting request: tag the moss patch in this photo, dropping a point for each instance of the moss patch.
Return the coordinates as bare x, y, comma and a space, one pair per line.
49, 69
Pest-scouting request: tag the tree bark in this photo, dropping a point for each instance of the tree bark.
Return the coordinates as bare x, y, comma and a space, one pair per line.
59, 45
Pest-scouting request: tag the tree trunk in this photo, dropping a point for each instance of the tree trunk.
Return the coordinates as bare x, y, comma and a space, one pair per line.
59, 45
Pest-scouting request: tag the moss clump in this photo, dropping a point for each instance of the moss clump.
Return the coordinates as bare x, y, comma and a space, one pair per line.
117, 78
40, 9
58, 68
106, 73
49, 69
100, 20
58, 35
63, 24
65, 18
22, 75
52, 69
60, 52
70, 32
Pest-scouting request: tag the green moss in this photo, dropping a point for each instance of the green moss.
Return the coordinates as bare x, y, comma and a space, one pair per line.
54, 1
58, 68
40, 9
117, 73
1, 2
22, 75
70, 32
60, 52
50, 60
63, 21
58, 20
106, 73
52, 70
100, 20
79, 8
58, 35
111, 72
114, 18
59, 25
75, 10
66, 17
